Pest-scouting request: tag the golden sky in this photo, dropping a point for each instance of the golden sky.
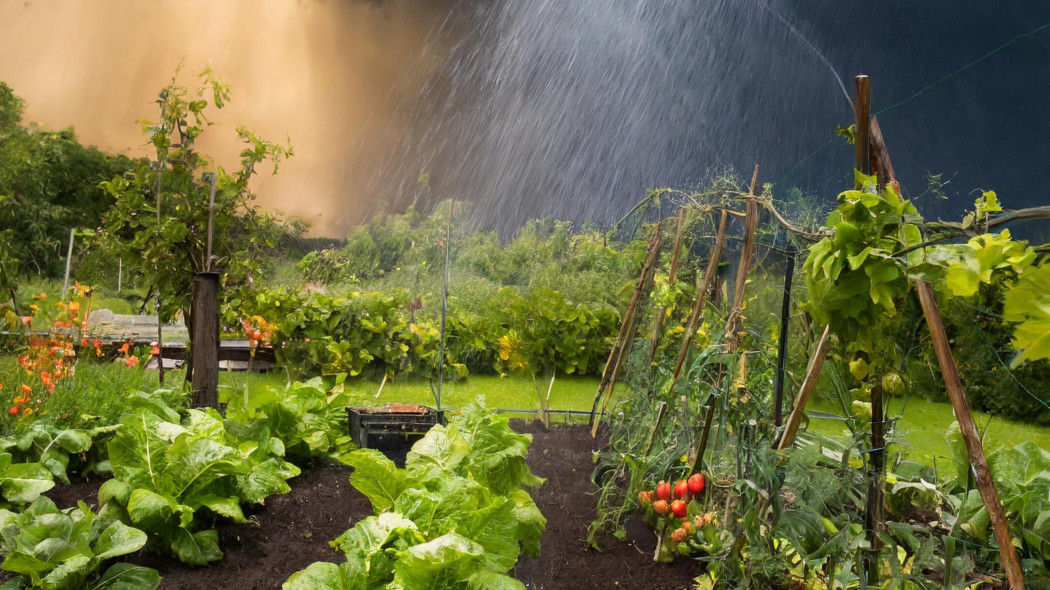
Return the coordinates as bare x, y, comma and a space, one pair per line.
323, 72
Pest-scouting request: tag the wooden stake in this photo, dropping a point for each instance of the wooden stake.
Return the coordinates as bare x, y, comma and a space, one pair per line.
809, 384
862, 111
880, 159
205, 350
970, 436
613, 363
701, 294
733, 321
671, 276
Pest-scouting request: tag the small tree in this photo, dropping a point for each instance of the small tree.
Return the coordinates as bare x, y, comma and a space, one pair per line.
159, 223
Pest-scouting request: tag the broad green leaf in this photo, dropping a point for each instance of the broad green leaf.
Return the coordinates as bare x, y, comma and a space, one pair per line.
69, 574
115, 490
1027, 306
73, 441
24, 482
441, 449
151, 511
447, 561
198, 549
228, 507
26, 564
531, 522
493, 581
321, 575
376, 477
126, 576
118, 539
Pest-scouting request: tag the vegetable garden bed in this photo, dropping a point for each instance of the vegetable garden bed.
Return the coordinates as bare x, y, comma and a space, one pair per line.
293, 530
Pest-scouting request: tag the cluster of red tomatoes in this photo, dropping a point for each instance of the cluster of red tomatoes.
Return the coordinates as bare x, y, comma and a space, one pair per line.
673, 501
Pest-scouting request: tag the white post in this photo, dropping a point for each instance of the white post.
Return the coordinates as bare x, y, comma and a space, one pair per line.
69, 258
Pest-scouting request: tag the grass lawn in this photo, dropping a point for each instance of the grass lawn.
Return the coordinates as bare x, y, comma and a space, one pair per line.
921, 430
510, 392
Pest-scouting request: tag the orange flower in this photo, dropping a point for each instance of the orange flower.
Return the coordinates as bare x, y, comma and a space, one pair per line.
27, 319
154, 349
83, 341
26, 389
131, 361
13, 411
124, 348
27, 411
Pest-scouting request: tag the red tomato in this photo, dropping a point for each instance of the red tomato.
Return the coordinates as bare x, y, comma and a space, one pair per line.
681, 490
679, 507
663, 491
696, 483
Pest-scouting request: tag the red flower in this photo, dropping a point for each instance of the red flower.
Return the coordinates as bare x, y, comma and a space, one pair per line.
132, 361
13, 411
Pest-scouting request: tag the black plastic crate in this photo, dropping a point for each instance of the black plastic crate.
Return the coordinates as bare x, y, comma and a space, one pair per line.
390, 427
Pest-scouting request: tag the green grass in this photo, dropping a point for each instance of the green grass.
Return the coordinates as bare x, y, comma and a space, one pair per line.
921, 431
510, 392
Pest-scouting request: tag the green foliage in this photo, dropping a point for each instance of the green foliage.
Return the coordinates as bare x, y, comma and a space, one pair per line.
59, 449
321, 334
854, 279
1027, 304
310, 422
48, 184
167, 470
62, 549
164, 237
21, 483
455, 517
546, 331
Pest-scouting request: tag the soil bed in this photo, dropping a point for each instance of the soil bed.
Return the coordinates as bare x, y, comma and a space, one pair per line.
293, 531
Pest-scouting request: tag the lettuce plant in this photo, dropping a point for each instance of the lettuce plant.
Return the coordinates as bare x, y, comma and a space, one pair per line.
167, 470
456, 516
62, 549
21, 483
60, 450
310, 422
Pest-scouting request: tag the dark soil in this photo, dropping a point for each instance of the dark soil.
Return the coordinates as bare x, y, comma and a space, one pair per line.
293, 531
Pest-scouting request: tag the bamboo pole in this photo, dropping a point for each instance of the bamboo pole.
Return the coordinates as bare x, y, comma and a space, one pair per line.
734, 319
785, 322
613, 362
968, 428
809, 384
671, 277
694, 316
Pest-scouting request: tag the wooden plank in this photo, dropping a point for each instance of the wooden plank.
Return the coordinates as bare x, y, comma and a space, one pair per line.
968, 428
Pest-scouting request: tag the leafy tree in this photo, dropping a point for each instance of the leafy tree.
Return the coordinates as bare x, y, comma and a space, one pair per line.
159, 222
48, 184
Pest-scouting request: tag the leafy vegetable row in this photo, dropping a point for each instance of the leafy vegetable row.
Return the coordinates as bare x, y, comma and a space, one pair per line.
456, 516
